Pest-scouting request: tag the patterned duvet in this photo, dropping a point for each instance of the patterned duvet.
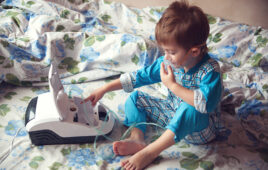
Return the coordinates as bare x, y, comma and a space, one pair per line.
92, 43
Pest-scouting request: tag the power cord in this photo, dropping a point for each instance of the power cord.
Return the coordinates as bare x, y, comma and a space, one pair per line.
5, 155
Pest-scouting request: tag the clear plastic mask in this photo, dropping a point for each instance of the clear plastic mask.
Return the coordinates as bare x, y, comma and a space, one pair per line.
168, 63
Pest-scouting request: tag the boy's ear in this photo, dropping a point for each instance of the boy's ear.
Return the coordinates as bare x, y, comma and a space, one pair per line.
195, 51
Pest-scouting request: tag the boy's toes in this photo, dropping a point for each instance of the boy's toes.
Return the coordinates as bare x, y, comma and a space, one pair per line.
131, 167
124, 162
127, 166
115, 148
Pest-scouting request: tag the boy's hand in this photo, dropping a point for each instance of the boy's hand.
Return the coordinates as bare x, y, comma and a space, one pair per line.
167, 76
95, 96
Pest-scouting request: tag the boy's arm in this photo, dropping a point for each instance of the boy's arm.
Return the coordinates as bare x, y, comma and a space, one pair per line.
113, 85
168, 79
185, 94
205, 98
144, 76
96, 95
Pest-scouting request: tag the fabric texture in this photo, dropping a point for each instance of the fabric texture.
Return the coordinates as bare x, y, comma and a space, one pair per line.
93, 42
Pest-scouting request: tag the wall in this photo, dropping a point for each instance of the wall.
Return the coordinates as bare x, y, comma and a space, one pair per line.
252, 12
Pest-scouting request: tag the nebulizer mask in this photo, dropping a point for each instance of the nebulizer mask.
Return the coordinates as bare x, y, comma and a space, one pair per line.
168, 63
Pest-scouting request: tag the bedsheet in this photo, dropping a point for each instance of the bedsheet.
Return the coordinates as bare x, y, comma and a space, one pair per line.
92, 42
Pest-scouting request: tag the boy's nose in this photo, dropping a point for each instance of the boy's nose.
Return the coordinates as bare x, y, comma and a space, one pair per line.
167, 57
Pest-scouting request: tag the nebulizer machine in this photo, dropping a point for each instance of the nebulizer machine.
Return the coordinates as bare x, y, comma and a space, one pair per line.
55, 118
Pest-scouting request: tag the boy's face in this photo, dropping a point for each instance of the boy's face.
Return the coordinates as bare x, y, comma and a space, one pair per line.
177, 55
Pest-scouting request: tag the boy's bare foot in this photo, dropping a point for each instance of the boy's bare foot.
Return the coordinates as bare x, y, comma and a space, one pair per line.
144, 157
128, 146
139, 160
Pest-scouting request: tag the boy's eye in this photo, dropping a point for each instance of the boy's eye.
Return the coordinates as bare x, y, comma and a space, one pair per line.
170, 52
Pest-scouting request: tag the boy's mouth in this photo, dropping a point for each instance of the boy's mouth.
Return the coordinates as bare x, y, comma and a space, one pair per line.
169, 63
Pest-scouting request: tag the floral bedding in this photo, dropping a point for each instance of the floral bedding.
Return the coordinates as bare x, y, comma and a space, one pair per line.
93, 42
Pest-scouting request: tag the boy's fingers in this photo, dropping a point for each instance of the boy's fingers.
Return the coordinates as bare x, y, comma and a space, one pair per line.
169, 69
87, 99
91, 97
94, 101
163, 68
83, 101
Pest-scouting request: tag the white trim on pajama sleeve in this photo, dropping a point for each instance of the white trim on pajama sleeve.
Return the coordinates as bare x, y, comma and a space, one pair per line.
126, 82
200, 101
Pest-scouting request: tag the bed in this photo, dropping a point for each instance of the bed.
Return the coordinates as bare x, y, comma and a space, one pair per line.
93, 42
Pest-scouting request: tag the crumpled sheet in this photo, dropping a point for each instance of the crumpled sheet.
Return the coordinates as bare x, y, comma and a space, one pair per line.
92, 42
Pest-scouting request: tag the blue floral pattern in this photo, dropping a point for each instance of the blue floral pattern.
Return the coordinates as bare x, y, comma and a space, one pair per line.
93, 42
227, 51
81, 158
18, 54
89, 54
38, 50
13, 126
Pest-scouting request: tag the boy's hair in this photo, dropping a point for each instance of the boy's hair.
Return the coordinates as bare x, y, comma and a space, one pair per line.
186, 25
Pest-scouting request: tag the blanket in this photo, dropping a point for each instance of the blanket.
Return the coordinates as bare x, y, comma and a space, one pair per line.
93, 42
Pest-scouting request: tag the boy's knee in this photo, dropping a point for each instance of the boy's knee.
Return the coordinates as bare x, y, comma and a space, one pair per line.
189, 111
133, 97
132, 113
190, 121
185, 107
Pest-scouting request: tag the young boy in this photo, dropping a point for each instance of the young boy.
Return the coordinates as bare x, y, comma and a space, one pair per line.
193, 80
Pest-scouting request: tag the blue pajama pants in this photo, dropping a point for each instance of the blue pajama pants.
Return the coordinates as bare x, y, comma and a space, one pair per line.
141, 107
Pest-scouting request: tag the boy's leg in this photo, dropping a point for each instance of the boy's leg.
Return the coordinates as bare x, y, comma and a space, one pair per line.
135, 142
186, 121
138, 108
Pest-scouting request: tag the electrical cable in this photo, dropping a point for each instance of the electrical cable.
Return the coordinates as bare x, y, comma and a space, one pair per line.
3, 158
